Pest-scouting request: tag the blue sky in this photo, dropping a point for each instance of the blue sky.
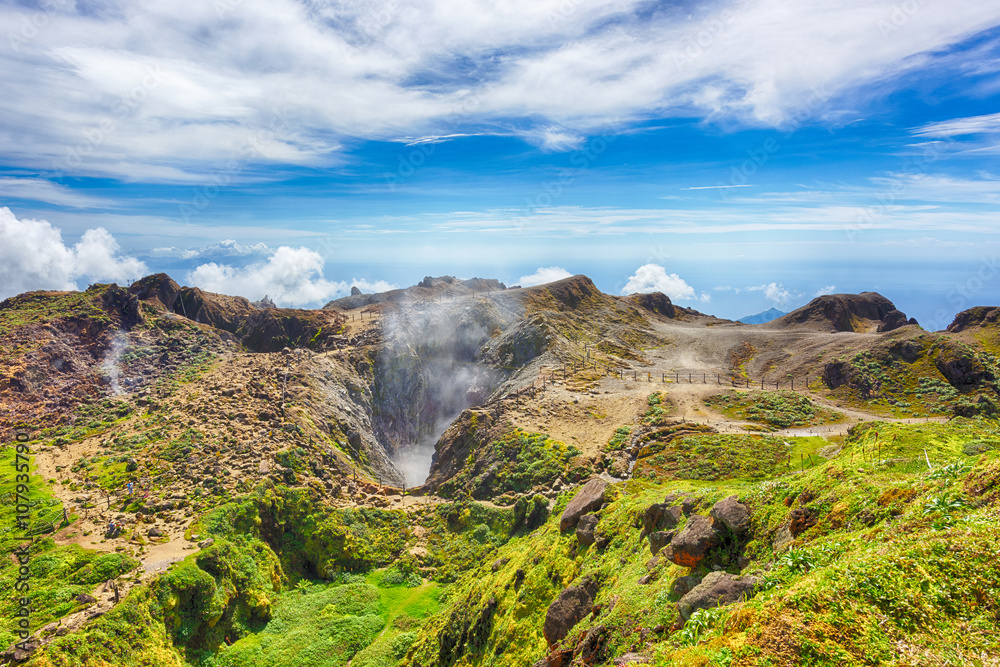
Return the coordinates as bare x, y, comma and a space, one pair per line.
736, 155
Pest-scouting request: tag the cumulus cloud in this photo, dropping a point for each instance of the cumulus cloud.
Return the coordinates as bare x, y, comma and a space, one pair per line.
829, 289
290, 277
775, 292
33, 256
654, 278
222, 249
544, 275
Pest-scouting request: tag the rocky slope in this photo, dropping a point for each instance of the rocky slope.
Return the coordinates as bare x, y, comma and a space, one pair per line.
563, 432
858, 313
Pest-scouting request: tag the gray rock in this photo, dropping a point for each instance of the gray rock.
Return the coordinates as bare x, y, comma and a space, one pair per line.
588, 499
683, 585
692, 544
660, 516
572, 605
732, 514
660, 539
717, 589
631, 659
783, 539
585, 529
204, 544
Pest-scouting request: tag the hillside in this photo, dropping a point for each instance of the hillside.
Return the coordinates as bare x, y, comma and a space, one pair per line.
462, 474
858, 313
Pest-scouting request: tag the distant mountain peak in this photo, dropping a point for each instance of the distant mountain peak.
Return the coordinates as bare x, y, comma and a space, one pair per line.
763, 317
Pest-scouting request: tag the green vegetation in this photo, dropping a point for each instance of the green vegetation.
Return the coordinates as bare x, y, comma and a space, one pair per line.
660, 407
516, 462
619, 439
778, 409
907, 378
896, 557
715, 457
42, 307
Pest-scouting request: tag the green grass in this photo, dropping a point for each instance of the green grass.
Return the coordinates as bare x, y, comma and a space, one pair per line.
777, 409
722, 456
515, 462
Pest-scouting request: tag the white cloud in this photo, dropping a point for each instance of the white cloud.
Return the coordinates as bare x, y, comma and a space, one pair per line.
33, 256
113, 92
38, 189
544, 275
829, 289
775, 292
291, 277
654, 278
955, 127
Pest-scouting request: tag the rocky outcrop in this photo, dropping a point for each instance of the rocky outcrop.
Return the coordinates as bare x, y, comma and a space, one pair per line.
659, 517
588, 499
654, 302
690, 546
893, 320
717, 589
980, 316
659, 540
727, 529
864, 312
960, 366
732, 514
572, 605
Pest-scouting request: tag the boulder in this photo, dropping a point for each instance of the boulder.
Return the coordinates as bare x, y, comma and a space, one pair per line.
683, 585
732, 514
572, 605
660, 516
83, 598
717, 589
660, 539
630, 659
585, 529
692, 544
893, 320
588, 499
